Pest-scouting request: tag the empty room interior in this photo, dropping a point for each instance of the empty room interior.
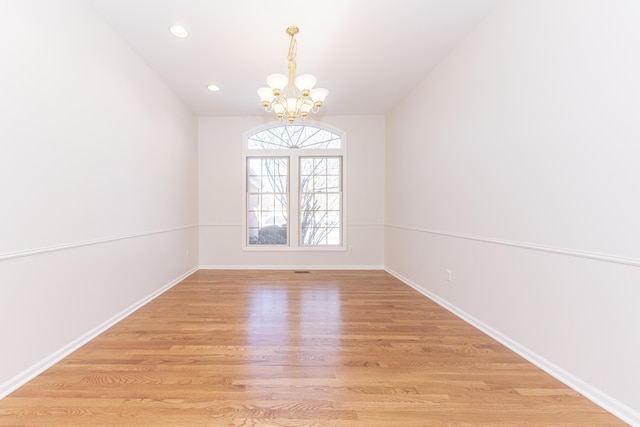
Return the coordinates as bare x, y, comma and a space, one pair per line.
448, 235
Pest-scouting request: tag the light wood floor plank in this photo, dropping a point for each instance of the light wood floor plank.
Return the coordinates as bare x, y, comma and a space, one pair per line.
276, 348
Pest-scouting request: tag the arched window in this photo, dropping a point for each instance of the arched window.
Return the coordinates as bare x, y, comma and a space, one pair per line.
294, 188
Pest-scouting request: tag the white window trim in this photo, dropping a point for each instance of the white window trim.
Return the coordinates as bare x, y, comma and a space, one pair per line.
294, 155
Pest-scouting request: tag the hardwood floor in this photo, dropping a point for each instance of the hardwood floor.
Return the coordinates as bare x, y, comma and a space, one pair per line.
278, 348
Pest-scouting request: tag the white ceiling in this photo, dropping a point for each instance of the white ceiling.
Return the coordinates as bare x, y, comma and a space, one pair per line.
368, 53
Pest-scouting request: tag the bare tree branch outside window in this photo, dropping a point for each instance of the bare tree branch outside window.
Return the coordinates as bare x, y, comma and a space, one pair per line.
320, 200
268, 200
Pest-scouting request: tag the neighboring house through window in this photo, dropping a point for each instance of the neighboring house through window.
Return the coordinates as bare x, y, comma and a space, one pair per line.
294, 188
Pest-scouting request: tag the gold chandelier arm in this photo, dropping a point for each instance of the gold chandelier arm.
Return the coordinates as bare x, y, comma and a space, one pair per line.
314, 108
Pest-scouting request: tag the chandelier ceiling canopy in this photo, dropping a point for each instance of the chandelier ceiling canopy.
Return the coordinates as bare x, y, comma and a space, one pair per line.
292, 96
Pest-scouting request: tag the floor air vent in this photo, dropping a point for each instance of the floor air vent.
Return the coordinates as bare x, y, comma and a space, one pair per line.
301, 271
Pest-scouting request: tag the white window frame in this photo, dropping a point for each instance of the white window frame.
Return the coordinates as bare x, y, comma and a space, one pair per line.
293, 220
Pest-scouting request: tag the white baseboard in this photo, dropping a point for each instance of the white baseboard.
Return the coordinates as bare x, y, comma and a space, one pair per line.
291, 267
28, 374
620, 410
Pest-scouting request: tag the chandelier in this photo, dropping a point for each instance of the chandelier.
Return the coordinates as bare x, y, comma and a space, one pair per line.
292, 96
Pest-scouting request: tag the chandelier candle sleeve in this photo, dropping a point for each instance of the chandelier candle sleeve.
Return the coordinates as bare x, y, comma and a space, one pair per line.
291, 96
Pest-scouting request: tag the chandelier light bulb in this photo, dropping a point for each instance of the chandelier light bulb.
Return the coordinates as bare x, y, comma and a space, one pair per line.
305, 109
319, 95
266, 96
279, 109
277, 83
291, 105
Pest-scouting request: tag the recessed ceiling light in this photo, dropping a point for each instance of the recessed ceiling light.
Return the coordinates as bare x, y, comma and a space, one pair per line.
213, 88
179, 31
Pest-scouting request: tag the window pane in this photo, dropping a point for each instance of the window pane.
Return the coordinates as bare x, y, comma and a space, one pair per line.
319, 166
254, 202
282, 183
279, 206
333, 202
333, 218
253, 184
333, 166
306, 166
283, 167
267, 201
320, 209
320, 218
333, 236
298, 136
321, 202
254, 166
266, 220
333, 183
306, 201
320, 183
306, 184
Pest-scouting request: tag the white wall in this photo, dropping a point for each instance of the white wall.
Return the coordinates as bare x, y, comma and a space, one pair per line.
221, 193
515, 165
98, 182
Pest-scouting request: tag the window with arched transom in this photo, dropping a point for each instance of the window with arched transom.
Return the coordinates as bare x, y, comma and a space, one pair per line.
294, 188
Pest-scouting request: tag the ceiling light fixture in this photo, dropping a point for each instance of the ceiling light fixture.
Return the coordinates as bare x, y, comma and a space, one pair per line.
291, 96
179, 31
213, 88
